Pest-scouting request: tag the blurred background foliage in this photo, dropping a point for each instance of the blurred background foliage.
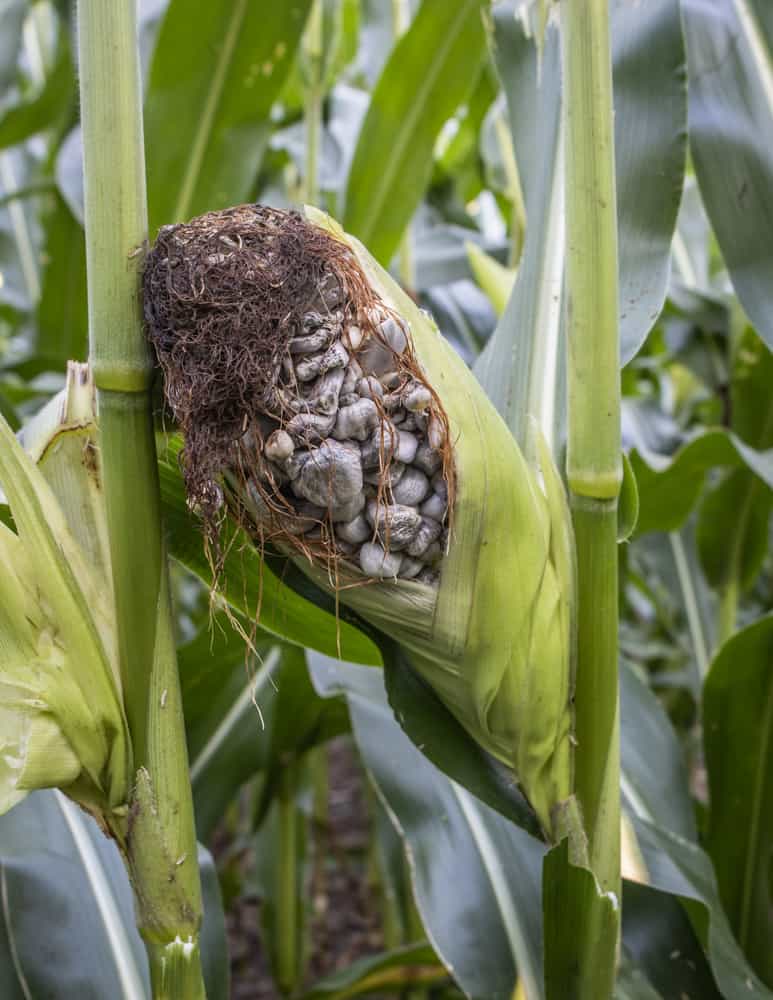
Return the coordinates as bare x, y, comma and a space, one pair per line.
345, 862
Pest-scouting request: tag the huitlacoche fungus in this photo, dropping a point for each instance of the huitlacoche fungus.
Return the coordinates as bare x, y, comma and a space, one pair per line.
295, 386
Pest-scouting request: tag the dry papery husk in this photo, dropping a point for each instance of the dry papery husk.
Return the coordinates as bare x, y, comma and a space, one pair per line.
304, 408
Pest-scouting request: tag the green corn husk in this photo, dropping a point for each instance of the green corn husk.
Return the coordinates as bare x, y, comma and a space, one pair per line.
61, 711
495, 639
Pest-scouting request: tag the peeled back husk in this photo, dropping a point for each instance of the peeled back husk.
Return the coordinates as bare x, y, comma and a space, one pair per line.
495, 639
62, 722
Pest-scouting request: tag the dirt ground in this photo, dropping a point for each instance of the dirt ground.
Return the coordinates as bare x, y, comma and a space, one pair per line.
345, 922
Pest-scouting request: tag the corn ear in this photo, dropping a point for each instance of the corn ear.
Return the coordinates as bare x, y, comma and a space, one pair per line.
495, 639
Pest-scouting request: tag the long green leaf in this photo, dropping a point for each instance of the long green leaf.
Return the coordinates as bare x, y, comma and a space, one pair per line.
680, 868
62, 323
519, 367
48, 108
429, 73
465, 858
62, 882
730, 60
738, 737
215, 74
669, 486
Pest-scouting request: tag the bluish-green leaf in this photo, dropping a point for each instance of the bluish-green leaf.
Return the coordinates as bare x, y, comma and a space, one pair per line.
67, 917
476, 876
738, 738
429, 73
519, 367
682, 869
215, 74
46, 109
12, 15
670, 486
730, 60
62, 320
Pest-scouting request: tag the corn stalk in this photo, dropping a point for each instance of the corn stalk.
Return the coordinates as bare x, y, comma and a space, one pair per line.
594, 468
159, 840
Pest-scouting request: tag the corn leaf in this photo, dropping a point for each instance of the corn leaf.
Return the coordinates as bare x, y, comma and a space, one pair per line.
64, 882
521, 366
429, 73
738, 737
465, 857
669, 486
730, 62
412, 966
49, 107
213, 79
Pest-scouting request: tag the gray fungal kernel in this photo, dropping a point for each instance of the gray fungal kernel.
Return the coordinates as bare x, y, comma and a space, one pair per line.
279, 446
394, 335
407, 446
429, 532
312, 321
375, 562
412, 488
352, 377
355, 531
440, 485
346, 512
317, 364
417, 397
311, 427
327, 388
354, 337
388, 477
370, 387
294, 464
427, 459
395, 525
434, 507
410, 568
391, 380
379, 449
312, 342
435, 433
357, 421
332, 477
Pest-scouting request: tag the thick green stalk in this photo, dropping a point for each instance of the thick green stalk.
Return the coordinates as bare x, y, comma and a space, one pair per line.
594, 467
312, 44
159, 841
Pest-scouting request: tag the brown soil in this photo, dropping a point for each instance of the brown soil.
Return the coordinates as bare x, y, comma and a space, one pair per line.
345, 921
